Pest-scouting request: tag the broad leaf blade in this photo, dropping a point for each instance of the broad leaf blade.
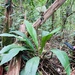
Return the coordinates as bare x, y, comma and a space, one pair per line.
47, 37
19, 33
31, 66
11, 35
44, 40
7, 35
32, 32
7, 48
13, 52
44, 33
24, 37
63, 58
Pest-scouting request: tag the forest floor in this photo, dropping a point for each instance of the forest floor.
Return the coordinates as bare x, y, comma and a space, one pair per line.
58, 42
52, 66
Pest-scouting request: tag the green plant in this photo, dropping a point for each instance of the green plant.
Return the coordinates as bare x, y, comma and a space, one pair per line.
31, 45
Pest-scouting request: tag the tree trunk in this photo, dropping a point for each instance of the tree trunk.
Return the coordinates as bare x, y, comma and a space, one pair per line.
8, 22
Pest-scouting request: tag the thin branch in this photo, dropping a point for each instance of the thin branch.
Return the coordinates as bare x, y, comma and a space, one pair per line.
49, 12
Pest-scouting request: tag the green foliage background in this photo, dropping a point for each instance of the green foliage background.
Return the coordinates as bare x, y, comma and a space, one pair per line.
29, 7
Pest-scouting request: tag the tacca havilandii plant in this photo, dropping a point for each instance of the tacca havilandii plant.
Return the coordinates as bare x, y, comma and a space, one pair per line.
31, 67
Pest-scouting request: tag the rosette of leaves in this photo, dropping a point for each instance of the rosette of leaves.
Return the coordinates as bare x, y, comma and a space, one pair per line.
31, 45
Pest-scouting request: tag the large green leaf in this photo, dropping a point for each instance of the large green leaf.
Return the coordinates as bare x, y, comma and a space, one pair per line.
44, 33
13, 52
12, 35
63, 58
7, 48
24, 37
31, 66
44, 40
47, 36
32, 32
7, 35
19, 33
